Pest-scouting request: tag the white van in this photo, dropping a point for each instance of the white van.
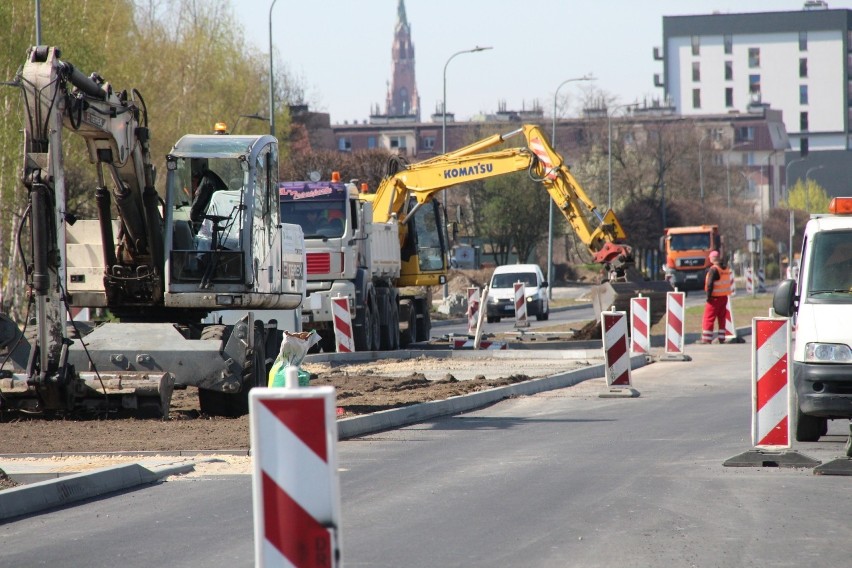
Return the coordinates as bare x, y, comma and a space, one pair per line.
820, 301
501, 292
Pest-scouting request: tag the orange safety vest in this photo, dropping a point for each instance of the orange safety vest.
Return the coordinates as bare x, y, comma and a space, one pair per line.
724, 285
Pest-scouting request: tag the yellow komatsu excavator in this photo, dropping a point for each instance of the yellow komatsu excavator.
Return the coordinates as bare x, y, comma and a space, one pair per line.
402, 193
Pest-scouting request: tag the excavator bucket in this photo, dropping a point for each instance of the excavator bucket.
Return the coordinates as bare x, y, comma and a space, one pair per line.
618, 294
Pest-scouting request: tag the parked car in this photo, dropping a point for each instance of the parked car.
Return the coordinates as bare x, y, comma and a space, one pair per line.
501, 292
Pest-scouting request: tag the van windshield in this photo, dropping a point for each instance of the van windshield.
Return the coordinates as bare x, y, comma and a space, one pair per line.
831, 273
508, 279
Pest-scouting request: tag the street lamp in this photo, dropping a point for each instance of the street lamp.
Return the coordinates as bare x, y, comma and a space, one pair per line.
254, 116
271, 76
787, 176
728, 168
701, 174
807, 187
609, 148
550, 210
444, 100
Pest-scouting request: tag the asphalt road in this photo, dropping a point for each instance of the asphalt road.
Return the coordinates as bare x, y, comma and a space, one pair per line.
563, 478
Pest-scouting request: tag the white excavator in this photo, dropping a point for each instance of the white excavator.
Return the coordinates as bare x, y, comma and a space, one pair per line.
157, 265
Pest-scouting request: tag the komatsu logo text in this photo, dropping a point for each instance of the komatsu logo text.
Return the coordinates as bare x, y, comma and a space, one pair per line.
476, 169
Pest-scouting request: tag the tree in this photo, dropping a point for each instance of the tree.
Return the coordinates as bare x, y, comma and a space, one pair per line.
809, 196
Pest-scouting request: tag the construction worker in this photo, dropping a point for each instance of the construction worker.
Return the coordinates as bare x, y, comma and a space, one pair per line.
719, 283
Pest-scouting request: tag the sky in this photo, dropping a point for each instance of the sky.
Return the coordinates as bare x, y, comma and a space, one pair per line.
340, 50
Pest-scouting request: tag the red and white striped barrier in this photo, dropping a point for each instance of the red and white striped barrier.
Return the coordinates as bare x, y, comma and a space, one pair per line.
730, 328
749, 280
616, 354
520, 305
640, 318
342, 325
674, 322
771, 380
295, 487
473, 306
471, 344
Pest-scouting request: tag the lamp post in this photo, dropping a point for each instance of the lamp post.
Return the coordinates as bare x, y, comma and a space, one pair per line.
255, 116
446, 289
728, 169
787, 175
808, 188
609, 149
444, 100
550, 210
701, 175
271, 76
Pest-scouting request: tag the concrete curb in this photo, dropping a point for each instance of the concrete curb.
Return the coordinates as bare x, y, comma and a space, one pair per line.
51, 493
389, 419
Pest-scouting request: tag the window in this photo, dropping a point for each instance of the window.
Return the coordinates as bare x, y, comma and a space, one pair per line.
803, 41
803, 121
696, 98
729, 44
696, 71
696, 45
398, 143
803, 94
745, 134
344, 144
754, 84
803, 147
803, 67
371, 142
729, 70
428, 142
753, 57
729, 97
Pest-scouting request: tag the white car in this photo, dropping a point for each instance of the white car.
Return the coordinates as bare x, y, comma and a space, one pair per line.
501, 292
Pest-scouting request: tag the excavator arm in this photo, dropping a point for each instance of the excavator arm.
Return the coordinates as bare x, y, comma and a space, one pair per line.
602, 234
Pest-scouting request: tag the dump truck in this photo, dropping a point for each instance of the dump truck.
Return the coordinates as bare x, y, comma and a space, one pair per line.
687, 253
157, 264
352, 257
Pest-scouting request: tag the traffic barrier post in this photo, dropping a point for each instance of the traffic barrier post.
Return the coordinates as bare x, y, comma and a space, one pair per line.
616, 356
344, 340
749, 280
520, 305
730, 332
473, 307
295, 486
640, 319
675, 304
771, 387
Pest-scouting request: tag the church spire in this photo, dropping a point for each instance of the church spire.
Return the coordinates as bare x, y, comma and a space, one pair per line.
402, 98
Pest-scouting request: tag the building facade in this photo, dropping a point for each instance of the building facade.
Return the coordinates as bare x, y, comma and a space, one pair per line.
795, 62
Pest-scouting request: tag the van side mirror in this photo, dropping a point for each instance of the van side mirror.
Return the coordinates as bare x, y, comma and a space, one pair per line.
544, 284
784, 300
663, 244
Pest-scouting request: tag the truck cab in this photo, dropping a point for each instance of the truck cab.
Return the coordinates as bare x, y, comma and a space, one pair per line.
687, 251
820, 303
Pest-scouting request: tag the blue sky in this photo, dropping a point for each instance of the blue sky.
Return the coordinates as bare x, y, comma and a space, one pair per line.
341, 49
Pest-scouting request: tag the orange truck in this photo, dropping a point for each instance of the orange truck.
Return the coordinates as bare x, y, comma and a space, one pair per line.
687, 251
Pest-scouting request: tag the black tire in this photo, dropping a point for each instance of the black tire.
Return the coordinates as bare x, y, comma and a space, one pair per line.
542, 315
386, 324
327, 342
394, 317
809, 428
375, 324
424, 324
366, 326
409, 335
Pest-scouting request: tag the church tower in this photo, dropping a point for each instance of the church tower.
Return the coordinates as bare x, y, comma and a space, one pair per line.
402, 98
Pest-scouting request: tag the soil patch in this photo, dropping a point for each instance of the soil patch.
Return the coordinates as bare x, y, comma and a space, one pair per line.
359, 391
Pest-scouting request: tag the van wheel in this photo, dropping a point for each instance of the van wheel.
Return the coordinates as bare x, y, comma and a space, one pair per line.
809, 428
